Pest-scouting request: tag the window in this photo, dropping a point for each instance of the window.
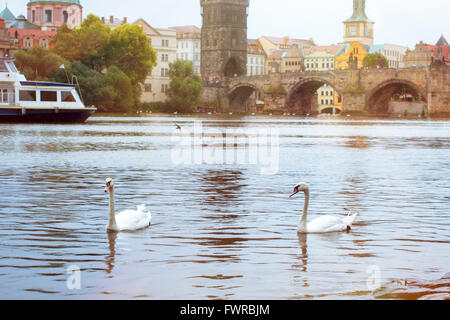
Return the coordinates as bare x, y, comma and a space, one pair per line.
3, 67
65, 17
148, 87
27, 95
48, 96
48, 15
33, 16
165, 43
164, 88
12, 67
164, 72
27, 42
67, 97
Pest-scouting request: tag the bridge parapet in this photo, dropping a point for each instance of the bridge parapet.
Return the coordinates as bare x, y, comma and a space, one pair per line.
358, 88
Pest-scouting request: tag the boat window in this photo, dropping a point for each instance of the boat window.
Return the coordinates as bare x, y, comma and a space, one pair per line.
67, 97
48, 96
27, 95
3, 67
12, 67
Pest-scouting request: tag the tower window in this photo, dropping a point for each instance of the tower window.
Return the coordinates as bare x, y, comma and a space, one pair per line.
48, 15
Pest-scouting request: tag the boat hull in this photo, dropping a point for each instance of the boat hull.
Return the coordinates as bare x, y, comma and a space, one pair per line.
36, 115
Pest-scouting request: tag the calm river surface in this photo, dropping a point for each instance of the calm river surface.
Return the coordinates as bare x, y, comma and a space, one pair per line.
223, 231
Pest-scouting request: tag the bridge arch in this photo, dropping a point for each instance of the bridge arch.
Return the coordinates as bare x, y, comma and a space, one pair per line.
302, 96
240, 94
378, 99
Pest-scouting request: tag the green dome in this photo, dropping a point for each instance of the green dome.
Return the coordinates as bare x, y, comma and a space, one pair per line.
77, 2
7, 15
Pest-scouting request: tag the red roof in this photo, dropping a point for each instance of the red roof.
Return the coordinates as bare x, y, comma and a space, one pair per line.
330, 49
288, 41
187, 29
29, 32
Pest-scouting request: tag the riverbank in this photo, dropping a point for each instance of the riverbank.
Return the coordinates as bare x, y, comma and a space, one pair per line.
231, 115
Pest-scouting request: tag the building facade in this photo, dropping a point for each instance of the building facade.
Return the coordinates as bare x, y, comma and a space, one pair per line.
293, 61
424, 54
322, 59
164, 41
358, 28
23, 34
7, 46
394, 54
319, 61
189, 45
28, 38
224, 38
52, 14
351, 56
256, 59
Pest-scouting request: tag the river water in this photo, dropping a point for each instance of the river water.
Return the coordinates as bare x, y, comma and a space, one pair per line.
224, 230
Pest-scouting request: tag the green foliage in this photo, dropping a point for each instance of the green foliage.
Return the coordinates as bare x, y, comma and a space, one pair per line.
129, 49
111, 65
120, 89
85, 43
375, 60
39, 63
276, 91
111, 91
185, 87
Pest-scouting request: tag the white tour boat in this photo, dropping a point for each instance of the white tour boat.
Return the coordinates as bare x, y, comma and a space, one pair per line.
38, 101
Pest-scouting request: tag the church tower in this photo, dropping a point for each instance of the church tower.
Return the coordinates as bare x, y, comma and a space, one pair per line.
224, 38
52, 14
358, 27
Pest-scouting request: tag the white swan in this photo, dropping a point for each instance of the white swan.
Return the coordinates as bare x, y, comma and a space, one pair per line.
128, 220
324, 224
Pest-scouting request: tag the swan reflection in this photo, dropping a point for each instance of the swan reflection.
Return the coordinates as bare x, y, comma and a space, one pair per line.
111, 257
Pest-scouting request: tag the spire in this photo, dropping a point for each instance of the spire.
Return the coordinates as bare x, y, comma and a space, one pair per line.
7, 15
359, 12
442, 42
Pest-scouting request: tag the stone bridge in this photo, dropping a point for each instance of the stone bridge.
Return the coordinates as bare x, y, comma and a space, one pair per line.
363, 90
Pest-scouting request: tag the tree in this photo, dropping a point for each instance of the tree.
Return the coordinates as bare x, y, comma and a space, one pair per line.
122, 97
39, 63
375, 60
111, 91
130, 50
185, 86
85, 43
110, 65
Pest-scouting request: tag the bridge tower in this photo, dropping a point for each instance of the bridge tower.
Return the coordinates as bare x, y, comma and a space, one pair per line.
224, 38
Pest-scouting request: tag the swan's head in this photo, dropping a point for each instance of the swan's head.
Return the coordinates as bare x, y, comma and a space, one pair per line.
109, 184
301, 187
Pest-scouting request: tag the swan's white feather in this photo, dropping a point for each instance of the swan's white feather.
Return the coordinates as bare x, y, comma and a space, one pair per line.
131, 220
328, 224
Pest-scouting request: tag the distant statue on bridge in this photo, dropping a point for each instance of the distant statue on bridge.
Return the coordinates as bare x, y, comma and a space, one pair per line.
352, 62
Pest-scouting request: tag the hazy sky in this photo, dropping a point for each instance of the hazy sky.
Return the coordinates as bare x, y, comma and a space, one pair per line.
403, 22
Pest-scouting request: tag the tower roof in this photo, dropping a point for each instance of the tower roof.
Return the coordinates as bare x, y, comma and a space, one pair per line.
359, 12
22, 23
442, 42
77, 2
7, 15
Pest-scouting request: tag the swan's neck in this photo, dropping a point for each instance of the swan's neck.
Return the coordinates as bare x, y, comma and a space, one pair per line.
302, 226
112, 224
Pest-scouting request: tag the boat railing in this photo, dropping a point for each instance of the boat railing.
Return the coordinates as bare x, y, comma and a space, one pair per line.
7, 98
